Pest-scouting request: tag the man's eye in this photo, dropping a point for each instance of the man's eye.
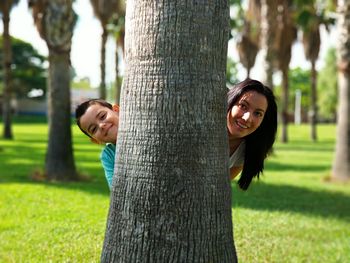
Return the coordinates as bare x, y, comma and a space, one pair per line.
103, 116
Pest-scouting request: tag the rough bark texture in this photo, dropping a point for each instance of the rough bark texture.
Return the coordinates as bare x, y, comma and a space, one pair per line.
7, 61
341, 164
170, 199
59, 157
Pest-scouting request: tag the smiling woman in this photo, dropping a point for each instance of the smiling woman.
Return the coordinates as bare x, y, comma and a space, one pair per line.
251, 126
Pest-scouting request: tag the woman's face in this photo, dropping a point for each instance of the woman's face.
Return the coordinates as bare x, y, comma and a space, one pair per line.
246, 115
101, 123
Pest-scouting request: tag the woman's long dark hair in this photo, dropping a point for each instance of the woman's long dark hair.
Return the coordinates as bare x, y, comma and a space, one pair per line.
259, 143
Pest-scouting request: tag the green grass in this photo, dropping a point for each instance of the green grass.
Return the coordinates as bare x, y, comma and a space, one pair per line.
292, 214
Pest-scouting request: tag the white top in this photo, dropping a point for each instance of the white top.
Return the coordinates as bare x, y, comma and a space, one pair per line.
237, 158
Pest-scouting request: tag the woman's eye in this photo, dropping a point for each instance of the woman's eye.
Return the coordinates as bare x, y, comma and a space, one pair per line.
258, 114
103, 116
242, 106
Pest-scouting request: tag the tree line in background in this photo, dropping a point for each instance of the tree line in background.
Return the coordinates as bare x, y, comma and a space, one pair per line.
267, 26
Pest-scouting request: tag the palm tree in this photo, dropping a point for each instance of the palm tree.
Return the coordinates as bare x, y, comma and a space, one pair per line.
104, 10
269, 12
312, 42
171, 199
118, 30
55, 20
341, 163
5, 8
248, 45
310, 18
286, 34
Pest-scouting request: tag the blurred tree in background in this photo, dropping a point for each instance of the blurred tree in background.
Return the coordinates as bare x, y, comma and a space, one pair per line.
28, 69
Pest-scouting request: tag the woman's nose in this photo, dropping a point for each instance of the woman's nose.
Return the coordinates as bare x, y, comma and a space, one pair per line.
246, 116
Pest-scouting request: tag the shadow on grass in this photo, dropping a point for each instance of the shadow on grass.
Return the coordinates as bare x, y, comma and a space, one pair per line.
93, 185
287, 198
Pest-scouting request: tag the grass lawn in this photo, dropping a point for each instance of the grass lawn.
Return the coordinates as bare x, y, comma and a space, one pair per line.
292, 214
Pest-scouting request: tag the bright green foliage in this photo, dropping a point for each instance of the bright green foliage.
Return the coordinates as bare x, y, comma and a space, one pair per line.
291, 215
231, 71
299, 79
28, 68
327, 86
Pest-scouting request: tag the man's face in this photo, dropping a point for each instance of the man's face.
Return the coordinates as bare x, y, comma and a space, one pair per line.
101, 123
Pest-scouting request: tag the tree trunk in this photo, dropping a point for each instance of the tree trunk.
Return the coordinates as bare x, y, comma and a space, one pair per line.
118, 85
268, 33
313, 111
55, 22
284, 103
7, 61
341, 164
59, 157
171, 197
103, 63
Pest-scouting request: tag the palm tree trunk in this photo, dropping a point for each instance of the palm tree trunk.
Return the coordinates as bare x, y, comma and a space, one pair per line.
55, 22
117, 82
268, 32
313, 111
7, 61
103, 91
59, 157
284, 103
341, 164
170, 200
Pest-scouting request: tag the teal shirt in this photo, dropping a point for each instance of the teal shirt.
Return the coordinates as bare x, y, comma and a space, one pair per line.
107, 159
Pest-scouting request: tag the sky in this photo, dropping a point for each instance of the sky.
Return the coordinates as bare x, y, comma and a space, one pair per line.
85, 53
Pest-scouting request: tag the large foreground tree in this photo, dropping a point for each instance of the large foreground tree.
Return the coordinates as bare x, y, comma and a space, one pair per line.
341, 164
170, 199
55, 21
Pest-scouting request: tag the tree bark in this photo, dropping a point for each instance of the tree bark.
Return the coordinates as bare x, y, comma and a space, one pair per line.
118, 85
269, 14
104, 36
59, 157
171, 197
7, 61
341, 164
284, 104
313, 111
55, 22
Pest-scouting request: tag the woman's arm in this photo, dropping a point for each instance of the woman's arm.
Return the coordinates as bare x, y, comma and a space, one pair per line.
234, 171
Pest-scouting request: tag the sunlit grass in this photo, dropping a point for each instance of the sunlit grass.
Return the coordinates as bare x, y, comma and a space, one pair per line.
293, 214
